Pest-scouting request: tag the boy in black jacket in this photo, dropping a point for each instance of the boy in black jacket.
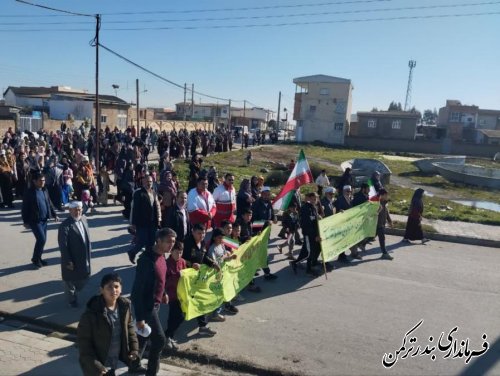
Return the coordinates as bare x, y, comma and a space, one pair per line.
309, 223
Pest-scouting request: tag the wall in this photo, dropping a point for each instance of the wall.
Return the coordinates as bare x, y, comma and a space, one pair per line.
383, 127
5, 125
426, 147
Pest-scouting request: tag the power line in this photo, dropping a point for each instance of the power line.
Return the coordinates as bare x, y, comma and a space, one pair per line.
267, 25
55, 9
201, 10
161, 77
356, 11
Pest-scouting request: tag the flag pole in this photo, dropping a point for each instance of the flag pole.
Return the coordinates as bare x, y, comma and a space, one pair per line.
322, 255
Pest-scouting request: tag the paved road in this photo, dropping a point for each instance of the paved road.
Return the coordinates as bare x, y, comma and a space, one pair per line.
24, 352
342, 325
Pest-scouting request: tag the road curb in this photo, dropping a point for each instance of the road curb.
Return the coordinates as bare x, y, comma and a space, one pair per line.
69, 333
450, 238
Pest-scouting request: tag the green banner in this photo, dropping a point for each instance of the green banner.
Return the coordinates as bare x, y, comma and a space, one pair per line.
341, 231
201, 292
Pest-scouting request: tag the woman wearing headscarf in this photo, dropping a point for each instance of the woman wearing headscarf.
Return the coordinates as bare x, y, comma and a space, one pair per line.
414, 224
377, 184
345, 179
244, 199
254, 187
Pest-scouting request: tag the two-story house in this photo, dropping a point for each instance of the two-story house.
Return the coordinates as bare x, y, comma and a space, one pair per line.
322, 108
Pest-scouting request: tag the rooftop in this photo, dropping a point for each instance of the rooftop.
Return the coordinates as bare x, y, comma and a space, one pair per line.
491, 133
320, 78
398, 114
41, 92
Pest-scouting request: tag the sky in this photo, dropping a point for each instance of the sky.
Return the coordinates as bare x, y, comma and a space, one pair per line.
457, 57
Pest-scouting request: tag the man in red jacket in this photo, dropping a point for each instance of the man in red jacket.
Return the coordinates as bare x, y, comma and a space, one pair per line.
201, 204
225, 200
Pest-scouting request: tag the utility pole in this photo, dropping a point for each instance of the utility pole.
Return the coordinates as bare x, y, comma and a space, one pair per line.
229, 116
192, 101
411, 64
184, 108
97, 107
245, 109
137, 100
278, 117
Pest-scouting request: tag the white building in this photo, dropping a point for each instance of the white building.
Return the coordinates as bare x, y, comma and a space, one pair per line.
322, 108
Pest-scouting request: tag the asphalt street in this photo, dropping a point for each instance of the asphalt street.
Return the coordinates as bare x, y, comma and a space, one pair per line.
340, 325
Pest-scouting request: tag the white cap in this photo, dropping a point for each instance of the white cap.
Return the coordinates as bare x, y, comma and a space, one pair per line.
329, 190
2, 152
75, 204
266, 189
85, 158
347, 188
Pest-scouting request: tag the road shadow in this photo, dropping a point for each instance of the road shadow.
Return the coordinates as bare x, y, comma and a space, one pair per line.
66, 362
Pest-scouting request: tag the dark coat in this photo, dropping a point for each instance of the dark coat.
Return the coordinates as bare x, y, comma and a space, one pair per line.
145, 214
261, 212
30, 210
175, 222
359, 198
74, 249
194, 254
328, 207
309, 220
143, 290
342, 204
94, 335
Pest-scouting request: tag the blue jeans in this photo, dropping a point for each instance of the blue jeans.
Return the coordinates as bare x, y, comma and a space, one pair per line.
40, 231
144, 237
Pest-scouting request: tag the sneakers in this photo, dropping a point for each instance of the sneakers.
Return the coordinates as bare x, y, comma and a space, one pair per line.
357, 256
137, 370
171, 344
218, 318
386, 256
293, 265
231, 309
131, 257
405, 241
270, 277
206, 331
425, 240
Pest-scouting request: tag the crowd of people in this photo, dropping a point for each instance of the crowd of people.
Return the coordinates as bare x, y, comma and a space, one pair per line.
174, 224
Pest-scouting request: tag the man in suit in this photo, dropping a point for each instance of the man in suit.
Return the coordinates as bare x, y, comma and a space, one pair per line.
178, 219
75, 247
145, 217
36, 211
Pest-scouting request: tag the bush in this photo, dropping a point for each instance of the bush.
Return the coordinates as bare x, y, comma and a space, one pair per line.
276, 178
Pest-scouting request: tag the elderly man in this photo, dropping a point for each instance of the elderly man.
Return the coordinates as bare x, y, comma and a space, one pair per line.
36, 211
201, 204
225, 200
328, 202
74, 244
145, 216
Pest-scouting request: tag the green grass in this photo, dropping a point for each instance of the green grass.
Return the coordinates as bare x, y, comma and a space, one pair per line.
329, 158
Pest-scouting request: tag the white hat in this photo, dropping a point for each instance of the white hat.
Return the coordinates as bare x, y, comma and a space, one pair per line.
329, 190
75, 204
347, 188
266, 189
2, 152
85, 158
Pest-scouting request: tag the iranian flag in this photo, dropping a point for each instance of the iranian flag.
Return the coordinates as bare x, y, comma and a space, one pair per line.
300, 175
372, 194
231, 243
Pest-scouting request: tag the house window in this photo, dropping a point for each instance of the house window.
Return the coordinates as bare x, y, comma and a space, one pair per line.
482, 122
104, 118
312, 108
338, 126
324, 91
455, 117
372, 123
396, 124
